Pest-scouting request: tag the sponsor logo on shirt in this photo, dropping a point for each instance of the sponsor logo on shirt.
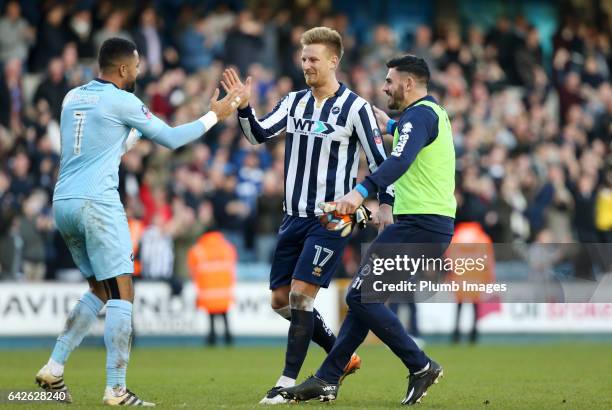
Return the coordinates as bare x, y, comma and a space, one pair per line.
402, 140
311, 127
407, 128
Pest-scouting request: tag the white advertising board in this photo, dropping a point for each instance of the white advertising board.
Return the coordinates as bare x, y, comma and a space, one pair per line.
37, 309
41, 309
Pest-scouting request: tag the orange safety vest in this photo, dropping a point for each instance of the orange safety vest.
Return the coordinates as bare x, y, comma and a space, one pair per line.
470, 242
212, 265
136, 228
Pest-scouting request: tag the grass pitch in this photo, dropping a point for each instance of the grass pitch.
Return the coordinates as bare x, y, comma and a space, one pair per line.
566, 376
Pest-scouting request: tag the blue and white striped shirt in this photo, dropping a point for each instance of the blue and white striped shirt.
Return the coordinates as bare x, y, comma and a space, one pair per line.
321, 155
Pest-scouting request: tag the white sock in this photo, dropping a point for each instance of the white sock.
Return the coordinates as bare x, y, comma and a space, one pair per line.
115, 391
55, 368
285, 381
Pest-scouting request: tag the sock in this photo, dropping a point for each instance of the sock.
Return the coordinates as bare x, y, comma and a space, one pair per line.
55, 368
80, 319
117, 335
351, 335
114, 391
321, 335
285, 381
300, 335
300, 332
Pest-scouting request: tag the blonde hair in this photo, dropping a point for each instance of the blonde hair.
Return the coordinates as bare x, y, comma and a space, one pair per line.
324, 35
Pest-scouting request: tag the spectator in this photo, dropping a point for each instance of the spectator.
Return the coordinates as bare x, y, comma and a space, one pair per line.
187, 226
9, 244
33, 229
45, 162
113, 27
149, 41
196, 49
244, 44
585, 223
569, 94
81, 34
212, 263
11, 96
505, 41
21, 180
529, 57
51, 38
16, 35
269, 216
53, 89
156, 251
422, 46
155, 201
230, 212
603, 208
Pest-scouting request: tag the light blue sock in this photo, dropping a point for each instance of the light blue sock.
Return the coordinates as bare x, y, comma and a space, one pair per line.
117, 335
80, 319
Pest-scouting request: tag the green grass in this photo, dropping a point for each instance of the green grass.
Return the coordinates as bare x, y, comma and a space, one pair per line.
566, 376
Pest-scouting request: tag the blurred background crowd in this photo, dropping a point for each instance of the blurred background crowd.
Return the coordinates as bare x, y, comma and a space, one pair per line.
530, 104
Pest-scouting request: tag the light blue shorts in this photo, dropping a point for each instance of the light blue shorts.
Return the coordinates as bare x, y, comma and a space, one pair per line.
97, 235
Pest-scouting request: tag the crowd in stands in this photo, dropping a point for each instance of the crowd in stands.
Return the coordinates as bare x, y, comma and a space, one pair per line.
533, 132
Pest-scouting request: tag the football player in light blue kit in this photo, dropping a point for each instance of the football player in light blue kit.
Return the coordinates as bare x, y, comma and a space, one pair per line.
99, 122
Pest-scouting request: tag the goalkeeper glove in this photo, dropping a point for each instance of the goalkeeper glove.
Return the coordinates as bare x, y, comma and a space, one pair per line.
333, 221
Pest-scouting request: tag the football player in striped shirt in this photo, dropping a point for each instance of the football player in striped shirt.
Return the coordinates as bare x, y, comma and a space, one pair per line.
325, 126
97, 124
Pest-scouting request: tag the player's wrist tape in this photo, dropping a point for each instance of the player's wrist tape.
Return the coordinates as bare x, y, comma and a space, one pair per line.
362, 190
209, 119
390, 125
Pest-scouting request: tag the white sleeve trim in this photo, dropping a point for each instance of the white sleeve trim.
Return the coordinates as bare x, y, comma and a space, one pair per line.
209, 120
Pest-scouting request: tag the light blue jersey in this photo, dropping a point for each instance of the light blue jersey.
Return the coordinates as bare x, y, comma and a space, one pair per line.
96, 125
96, 120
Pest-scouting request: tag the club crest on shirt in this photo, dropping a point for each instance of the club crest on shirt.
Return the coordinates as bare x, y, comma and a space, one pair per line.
335, 110
146, 111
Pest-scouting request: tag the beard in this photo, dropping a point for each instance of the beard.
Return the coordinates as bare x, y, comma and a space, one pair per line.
395, 100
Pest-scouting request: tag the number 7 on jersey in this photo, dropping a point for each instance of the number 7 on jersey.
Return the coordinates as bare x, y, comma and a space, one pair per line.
79, 125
